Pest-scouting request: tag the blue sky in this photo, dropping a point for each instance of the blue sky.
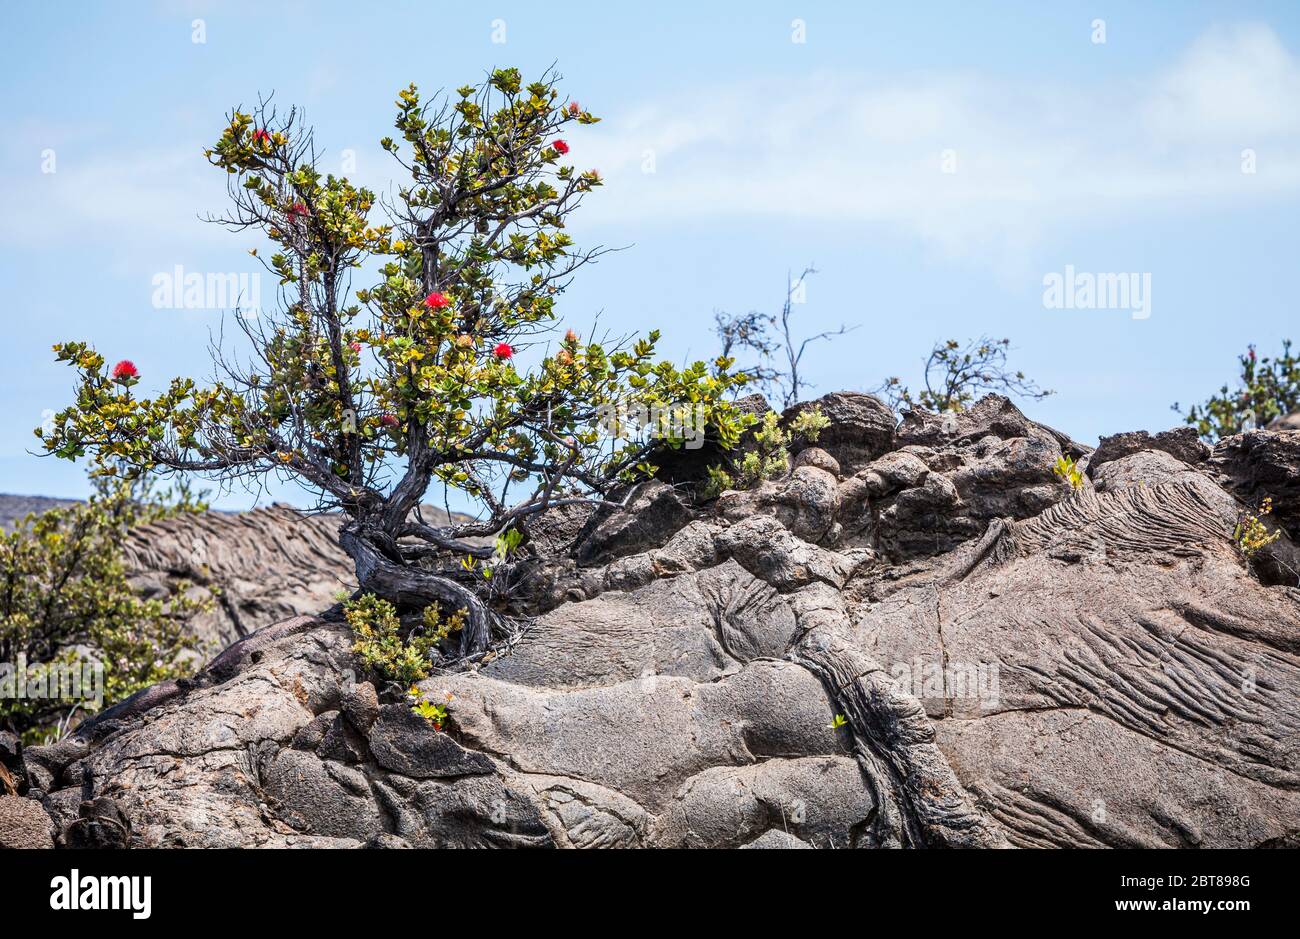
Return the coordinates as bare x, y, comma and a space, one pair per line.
768, 154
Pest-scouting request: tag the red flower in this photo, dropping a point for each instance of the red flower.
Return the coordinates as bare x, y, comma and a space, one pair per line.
261, 136
503, 350
298, 209
437, 300
354, 346
560, 147
124, 370
570, 336
573, 108
388, 420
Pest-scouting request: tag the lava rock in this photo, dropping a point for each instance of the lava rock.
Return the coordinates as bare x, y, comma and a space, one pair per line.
1182, 443
861, 427
406, 743
24, 824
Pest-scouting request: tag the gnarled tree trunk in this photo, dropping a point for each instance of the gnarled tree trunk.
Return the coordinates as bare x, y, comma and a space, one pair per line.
402, 584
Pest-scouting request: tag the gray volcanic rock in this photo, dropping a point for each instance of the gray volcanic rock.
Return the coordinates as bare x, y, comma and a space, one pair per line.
1264, 463
861, 426
1182, 443
405, 743
1142, 468
15, 508
991, 416
939, 644
258, 567
655, 512
952, 475
24, 824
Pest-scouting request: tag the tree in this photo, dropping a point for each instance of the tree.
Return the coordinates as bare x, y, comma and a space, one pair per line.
1267, 388
772, 338
749, 333
369, 398
65, 601
956, 375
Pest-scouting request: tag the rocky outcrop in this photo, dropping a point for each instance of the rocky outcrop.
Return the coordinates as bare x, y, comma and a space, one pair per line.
950, 476
1262, 464
1182, 443
861, 427
14, 509
920, 639
24, 824
256, 567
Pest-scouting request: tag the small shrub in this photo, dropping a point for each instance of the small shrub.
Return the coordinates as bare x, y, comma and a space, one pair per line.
434, 713
439, 627
1251, 534
808, 425
378, 640
770, 458
1068, 471
504, 548
956, 375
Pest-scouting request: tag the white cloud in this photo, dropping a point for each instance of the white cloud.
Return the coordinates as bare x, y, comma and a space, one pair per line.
1240, 83
136, 197
1032, 157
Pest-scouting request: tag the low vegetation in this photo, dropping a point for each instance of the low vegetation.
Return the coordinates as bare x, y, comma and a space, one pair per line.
1251, 534
1267, 387
394, 653
66, 606
435, 712
769, 455
1067, 470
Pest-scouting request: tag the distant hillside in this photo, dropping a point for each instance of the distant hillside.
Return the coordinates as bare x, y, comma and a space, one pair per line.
13, 508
